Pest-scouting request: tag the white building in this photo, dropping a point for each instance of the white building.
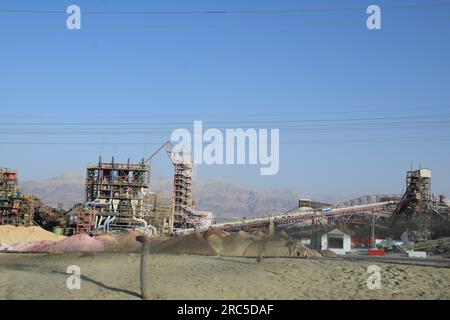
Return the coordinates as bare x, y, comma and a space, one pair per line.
336, 241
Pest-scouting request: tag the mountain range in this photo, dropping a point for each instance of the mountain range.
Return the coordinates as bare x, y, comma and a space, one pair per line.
224, 199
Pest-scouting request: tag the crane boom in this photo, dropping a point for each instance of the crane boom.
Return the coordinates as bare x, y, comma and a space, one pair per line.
168, 145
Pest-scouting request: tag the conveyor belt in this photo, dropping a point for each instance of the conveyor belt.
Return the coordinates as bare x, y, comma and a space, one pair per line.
377, 209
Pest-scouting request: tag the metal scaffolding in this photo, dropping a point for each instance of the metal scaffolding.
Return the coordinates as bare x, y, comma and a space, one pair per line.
183, 215
15, 208
118, 194
417, 198
182, 194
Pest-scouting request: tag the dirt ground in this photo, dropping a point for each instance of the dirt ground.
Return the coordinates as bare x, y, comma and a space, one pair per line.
116, 276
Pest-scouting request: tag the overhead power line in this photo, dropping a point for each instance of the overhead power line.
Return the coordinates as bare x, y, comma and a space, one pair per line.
431, 119
317, 141
305, 126
434, 18
224, 12
387, 110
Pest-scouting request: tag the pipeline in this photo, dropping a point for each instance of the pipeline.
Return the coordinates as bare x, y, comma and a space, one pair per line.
99, 223
96, 203
100, 226
141, 221
108, 222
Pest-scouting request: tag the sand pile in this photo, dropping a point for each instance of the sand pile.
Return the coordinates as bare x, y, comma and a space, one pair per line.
123, 242
240, 244
236, 244
12, 234
328, 254
197, 243
79, 243
76, 243
279, 246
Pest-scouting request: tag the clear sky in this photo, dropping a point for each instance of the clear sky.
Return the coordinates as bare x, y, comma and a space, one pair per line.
355, 107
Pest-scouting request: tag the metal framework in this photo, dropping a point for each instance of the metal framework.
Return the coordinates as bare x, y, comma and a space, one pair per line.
117, 192
184, 215
335, 216
182, 194
84, 220
417, 198
15, 208
370, 198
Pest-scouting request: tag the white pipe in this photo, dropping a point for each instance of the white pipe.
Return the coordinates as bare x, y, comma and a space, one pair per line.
99, 223
141, 220
97, 203
153, 229
109, 222
106, 223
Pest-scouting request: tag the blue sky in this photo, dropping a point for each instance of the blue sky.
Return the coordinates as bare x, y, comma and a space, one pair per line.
387, 90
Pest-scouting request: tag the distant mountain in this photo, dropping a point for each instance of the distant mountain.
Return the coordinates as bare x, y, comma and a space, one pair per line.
67, 189
224, 199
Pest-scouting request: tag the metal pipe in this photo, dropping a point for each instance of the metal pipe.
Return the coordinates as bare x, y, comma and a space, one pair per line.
99, 223
97, 203
106, 223
141, 220
153, 229
109, 222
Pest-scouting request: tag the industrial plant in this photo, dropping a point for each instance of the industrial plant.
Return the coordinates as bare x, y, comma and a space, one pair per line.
118, 198
121, 213
20, 209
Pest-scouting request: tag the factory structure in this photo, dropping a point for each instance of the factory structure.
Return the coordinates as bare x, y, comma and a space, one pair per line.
117, 194
118, 198
17, 208
418, 196
417, 213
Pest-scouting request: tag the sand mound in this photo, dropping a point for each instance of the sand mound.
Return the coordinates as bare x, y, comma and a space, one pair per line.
217, 232
79, 243
328, 254
76, 243
125, 242
237, 243
192, 243
279, 246
216, 243
240, 244
12, 234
